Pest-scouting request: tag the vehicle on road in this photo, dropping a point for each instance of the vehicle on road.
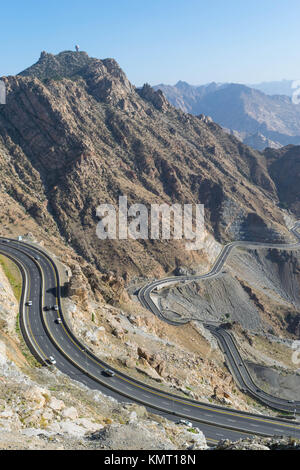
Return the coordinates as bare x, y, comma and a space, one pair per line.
185, 422
36, 257
109, 372
29, 303
52, 360
55, 307
58, 321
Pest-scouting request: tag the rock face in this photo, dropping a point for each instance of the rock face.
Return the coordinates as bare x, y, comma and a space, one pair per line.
8, 306
284, 168
260, 443
75, 133
255, 118
140, 436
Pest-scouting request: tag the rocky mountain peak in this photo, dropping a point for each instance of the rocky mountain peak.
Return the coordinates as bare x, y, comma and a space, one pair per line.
157, 98
104, 79
63, 65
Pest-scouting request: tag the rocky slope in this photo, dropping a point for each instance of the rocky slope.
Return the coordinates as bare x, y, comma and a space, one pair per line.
284, 168
259, 294
257, 119
260, 443
75, 133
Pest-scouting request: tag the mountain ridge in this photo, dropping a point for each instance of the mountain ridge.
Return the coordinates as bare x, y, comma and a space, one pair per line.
69, 144
243, 111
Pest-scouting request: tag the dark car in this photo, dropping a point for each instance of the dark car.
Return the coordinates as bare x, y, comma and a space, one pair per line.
109, 372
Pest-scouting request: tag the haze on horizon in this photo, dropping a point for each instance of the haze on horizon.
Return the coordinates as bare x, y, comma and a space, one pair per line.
161, 42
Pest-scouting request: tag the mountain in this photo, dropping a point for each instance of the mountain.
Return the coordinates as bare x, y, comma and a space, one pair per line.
255, 118
76, 133
281, 87
284, 168
186, 97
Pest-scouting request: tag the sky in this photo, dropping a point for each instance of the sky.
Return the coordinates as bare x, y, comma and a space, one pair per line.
160, 41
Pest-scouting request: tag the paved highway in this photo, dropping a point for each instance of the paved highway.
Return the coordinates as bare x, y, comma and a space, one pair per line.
226, 341
46, 337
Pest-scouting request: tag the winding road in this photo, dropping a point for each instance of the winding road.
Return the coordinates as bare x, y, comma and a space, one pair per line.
46, 337
226, 341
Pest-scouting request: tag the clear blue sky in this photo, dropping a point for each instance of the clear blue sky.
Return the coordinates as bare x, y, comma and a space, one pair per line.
160, 40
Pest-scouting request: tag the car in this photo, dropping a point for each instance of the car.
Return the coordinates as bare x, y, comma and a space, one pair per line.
52, 360
36, 257
55, 307
109, 372
29, 303
58, 321
291, 401
5, 241
185, 422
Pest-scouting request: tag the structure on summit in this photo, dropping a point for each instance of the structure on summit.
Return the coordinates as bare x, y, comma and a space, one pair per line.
77, 48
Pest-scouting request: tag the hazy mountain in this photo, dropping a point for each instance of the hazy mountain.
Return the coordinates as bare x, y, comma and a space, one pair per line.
257, 119
282, 87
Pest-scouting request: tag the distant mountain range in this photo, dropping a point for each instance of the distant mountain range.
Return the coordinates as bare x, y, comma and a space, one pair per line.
258, 119
282, 87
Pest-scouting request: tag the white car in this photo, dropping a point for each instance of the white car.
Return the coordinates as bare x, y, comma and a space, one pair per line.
58, 321
52, 360
185, 422
55, 307
109, 372
29, 303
